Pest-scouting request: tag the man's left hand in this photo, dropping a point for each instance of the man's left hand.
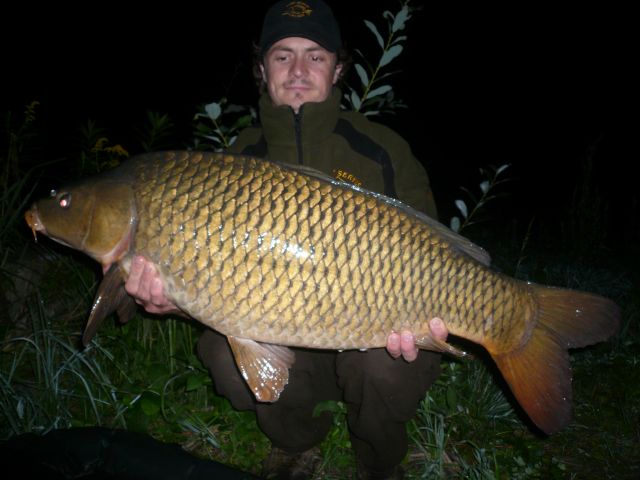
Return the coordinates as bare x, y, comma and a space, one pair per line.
404, 343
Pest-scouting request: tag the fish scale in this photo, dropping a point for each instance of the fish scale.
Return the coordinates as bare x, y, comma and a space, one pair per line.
275, 256
336, 277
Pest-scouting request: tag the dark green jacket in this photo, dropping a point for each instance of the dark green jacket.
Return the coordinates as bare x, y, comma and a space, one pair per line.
345, 145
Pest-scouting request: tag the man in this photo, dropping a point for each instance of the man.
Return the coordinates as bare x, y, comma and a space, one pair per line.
299, 62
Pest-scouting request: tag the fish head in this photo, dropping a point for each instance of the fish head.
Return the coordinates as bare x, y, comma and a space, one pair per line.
96, 217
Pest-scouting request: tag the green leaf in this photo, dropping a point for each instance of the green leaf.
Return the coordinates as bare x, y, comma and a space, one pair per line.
455, 224
462, 207
373, 28
20, 408
213, 110
332, 406
471, 195
452, 397
401, 18
399, 39
390, 54
484, 186
379, 91
364, 78
196, 381
502, 168
150, 403
355, 100
243, 121
233, 108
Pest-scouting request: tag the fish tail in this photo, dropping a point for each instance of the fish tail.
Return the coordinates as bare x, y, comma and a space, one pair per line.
538, 372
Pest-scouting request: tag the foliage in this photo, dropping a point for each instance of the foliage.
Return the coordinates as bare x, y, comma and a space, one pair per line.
14, 178
212, 133
156, 133
48, 383
375, 95
21, 140
337, 456
143, 376
487, 186
96, 154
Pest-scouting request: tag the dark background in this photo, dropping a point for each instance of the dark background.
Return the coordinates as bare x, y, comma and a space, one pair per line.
537, 87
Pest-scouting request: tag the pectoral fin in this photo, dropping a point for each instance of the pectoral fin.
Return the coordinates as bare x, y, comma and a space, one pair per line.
111, 297
429, 343
265, 367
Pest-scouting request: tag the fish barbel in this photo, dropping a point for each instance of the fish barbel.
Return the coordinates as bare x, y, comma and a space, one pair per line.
275, 256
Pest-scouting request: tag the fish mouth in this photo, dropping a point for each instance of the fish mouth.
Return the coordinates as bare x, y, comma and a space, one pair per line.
33, 220
35, 224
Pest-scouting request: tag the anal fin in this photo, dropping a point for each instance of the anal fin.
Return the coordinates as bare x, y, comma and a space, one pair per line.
265, 367
428, 342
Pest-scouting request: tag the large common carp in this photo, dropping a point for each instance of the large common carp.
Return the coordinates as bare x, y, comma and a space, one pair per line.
275, 256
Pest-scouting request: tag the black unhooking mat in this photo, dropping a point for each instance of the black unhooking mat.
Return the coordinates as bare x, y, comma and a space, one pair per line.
98, 453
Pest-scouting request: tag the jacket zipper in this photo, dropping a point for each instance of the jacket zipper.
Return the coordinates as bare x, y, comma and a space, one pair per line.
297, 123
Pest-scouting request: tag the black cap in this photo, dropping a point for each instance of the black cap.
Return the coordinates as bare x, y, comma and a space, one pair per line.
312, 19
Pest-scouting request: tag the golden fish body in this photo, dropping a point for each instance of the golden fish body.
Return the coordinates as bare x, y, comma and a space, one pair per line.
284, 256
264, 252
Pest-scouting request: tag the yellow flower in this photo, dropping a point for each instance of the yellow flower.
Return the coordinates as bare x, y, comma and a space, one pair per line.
100, 145
117, 150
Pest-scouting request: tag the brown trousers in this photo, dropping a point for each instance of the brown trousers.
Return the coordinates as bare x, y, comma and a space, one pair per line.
381, 395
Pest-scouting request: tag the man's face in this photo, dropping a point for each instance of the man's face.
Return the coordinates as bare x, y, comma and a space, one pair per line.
297, 70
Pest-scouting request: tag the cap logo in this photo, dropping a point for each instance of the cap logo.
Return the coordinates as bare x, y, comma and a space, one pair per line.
297, 9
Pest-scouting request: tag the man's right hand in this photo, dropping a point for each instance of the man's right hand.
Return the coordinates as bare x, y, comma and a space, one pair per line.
145, 286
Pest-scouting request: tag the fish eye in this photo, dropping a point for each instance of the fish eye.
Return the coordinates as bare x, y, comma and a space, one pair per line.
53, 193
64, 200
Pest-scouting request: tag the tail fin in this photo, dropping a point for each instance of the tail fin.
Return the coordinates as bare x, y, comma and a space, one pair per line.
539, 373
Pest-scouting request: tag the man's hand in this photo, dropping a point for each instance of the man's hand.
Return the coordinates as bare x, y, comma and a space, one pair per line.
145, 286
404, 343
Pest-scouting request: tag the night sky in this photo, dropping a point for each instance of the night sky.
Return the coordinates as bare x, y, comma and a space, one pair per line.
535, 87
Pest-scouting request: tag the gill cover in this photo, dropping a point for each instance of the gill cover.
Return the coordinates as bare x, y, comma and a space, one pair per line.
95, 217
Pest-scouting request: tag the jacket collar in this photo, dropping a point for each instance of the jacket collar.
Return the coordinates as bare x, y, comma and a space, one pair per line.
317, 121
